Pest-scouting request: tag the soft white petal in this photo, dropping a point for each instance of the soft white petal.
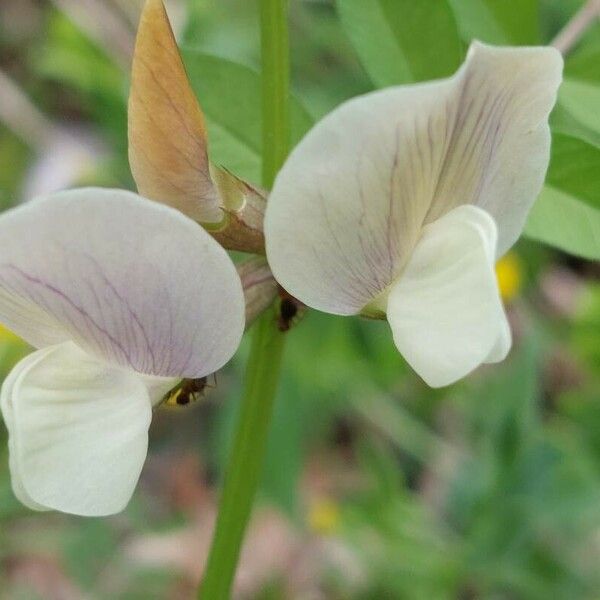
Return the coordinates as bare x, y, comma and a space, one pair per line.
349, 204
129, 280
26, 318
78, 431
503, 343
445, 310
499, 150
8, 416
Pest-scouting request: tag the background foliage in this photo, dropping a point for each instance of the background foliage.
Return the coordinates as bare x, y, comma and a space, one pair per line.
375, 486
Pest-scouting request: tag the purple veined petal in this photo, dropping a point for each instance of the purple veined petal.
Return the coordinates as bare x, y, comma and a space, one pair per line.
78, 431
129, 280
350, 203
445, 310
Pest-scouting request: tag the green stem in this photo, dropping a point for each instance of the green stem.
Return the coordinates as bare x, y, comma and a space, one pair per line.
275, 87
246, 459
244, 468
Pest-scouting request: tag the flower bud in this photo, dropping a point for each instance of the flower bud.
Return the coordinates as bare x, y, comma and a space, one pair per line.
168, 145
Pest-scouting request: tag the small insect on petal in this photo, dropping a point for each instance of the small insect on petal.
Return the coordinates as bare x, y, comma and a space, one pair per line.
290, 312
186, 392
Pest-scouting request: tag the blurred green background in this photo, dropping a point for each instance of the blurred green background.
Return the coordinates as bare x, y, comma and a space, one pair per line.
375, 486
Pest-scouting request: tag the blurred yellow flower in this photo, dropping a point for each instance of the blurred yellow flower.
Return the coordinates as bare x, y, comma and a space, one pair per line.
7, 336
324, 516
509, 272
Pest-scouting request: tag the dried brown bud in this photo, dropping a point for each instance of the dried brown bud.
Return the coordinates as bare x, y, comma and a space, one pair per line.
168, 146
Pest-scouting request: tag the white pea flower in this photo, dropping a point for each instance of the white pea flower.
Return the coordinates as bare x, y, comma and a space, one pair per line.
399, 202
123, 297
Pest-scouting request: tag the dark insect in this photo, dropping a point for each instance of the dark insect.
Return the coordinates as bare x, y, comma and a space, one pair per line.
289, 311
187, 391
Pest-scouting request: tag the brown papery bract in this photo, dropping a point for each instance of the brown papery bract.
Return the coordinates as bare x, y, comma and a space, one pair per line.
167, 134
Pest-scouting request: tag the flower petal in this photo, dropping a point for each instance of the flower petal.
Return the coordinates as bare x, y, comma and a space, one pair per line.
349, 204
445, 311
503, 343
6, 406
167, 135
129, 280
499, 149
78, 431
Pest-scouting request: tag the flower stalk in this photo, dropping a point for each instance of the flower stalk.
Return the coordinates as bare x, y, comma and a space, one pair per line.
242, 475
259, 285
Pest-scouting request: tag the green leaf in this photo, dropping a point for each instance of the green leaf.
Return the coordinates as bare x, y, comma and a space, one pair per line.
584, 62
562, 121
230, 97
508, 403
567, 214
582, 100
575, 168
498, 21
400, 41
561, 220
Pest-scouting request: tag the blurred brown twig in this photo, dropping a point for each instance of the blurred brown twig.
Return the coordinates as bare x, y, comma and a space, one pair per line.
21, 116
109, 28
577, 26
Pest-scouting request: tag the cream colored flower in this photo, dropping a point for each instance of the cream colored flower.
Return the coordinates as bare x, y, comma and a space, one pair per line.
123, 297
399, 202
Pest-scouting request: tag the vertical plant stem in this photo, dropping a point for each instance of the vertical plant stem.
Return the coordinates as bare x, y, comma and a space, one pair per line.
247, 455
246, 458
275, 87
